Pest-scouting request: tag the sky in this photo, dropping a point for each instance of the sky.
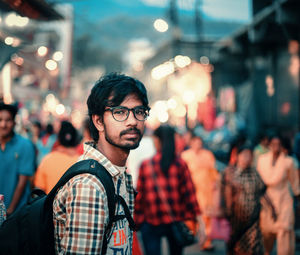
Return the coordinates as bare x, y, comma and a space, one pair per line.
235, 10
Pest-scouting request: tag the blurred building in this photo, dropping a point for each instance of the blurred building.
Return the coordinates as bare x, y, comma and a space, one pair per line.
35, 52
178, 74
260, 61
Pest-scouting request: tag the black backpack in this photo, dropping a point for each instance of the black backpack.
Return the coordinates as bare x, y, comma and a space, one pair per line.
30, 229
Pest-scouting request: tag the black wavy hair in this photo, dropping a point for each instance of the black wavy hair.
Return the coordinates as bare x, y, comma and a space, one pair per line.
68, 135
13, 109
166, 135
110, 90
49, 129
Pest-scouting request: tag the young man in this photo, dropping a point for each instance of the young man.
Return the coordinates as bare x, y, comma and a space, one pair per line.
118, 108
17, 159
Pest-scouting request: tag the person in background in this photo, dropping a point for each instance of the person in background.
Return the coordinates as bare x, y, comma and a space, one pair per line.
241, 191
36, 131
145, 151
201, 163
35, 134
277, 172
187, 137
17, 157
45, 144
288, 152
166, 193
179, 142
296, 147
239, 141
261, 147
86, 135
54, 165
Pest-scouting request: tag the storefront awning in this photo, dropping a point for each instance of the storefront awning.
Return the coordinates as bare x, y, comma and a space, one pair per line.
33, 9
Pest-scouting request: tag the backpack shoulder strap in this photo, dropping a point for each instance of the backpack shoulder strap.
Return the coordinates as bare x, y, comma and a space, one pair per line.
93, 167
128, 216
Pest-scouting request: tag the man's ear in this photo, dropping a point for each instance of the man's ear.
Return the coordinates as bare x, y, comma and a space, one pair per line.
98, 122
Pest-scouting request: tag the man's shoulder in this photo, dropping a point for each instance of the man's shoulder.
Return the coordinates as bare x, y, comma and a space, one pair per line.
21, 143
21, 140
81, 181
86, 179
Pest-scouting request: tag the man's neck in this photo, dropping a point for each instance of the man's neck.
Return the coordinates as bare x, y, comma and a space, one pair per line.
71, 151
115, 155
5, 140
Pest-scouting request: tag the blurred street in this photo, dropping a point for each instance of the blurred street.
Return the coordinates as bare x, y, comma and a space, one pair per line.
219, 249
220, 83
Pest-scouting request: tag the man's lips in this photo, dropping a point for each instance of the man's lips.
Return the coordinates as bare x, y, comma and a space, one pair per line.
131, 133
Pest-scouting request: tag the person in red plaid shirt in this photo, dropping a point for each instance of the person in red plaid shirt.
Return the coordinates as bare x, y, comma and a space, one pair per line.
168, 174
118, 108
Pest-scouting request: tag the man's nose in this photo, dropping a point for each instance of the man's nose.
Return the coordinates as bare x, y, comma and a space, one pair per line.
131, 118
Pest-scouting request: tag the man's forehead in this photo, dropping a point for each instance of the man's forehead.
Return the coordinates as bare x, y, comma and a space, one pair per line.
132, 98
5, 112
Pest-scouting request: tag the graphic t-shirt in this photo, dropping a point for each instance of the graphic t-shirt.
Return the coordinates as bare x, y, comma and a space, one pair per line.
120, 240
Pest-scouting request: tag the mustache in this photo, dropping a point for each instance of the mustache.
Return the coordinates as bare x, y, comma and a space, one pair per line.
131, 130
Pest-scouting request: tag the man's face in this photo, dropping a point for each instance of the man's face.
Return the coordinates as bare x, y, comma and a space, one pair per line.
7, 124
126, 134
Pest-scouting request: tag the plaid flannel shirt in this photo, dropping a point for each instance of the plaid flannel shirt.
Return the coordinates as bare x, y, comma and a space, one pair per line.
80, 210
177, 187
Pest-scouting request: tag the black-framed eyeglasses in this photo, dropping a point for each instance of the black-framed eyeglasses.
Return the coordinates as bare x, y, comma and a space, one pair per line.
121, 113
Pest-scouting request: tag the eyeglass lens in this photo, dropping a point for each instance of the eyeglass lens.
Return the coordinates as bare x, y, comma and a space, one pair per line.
122, 113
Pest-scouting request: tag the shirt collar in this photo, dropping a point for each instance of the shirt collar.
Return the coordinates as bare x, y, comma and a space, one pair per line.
90, 152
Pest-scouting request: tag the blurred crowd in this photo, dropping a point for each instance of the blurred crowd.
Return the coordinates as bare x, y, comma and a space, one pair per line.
256, 189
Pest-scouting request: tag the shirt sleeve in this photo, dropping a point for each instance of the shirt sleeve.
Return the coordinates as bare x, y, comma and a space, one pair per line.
85, 224
27, 159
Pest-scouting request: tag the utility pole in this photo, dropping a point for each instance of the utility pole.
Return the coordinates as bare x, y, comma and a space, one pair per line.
176, 34
198, 26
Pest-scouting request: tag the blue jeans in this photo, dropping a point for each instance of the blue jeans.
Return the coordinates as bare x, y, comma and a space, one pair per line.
152, 235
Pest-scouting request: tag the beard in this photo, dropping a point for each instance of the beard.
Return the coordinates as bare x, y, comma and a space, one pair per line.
135, 142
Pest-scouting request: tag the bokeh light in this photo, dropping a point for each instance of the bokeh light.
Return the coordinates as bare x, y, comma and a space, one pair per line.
161, 25
58, 56
42, 51
51, 65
